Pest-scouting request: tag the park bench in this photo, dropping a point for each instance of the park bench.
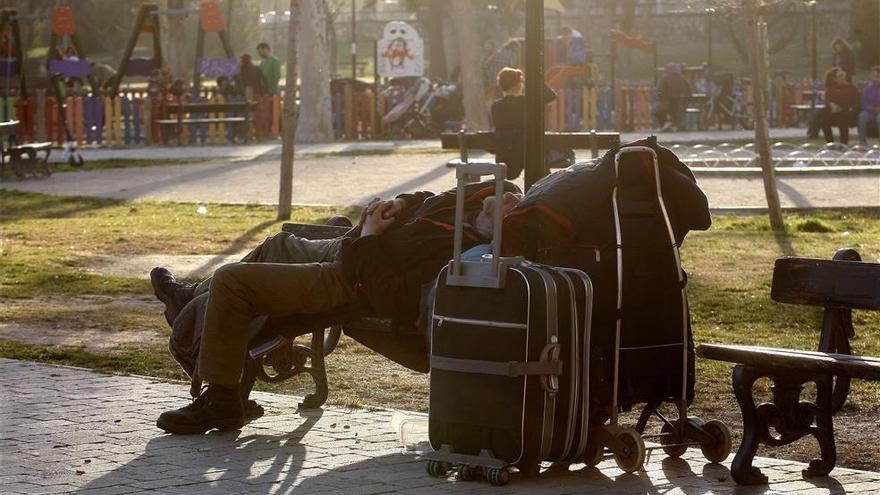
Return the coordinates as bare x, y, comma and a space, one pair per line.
839, 285
237, 113
274, 356
23, 159
485, 140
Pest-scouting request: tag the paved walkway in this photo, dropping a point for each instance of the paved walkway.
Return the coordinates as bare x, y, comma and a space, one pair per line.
349, 180
273, 149
70, 430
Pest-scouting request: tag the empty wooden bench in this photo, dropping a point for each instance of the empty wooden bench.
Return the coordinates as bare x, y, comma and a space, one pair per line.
24, 159
485, 141
235, 113
839, 285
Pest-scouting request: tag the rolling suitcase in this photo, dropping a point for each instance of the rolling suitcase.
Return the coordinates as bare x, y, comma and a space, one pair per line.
509, 359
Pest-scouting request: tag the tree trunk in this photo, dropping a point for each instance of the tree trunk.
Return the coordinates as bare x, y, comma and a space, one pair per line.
434, 35
759, 62
450, 46
315, 111
288, 117
177, 49
469, 49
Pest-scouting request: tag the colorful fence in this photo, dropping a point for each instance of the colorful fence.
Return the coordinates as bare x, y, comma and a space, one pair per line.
130, 119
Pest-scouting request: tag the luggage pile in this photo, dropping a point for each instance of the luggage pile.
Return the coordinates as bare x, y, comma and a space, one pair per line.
534, 354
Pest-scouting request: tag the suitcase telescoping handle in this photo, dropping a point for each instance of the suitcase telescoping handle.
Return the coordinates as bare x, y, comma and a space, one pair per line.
478, 274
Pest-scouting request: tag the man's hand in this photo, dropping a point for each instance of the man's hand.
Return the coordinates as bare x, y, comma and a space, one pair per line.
392, 208
377, 219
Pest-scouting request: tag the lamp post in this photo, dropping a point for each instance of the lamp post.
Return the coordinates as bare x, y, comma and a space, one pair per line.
709, 12
814, 54
353, 40
534, 145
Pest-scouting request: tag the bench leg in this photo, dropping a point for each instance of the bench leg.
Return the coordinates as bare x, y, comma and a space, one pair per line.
318, 372
287, 359
824, 430
791, 417
742, 470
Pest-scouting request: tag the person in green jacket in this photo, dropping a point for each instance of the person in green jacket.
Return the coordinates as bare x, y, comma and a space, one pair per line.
271, 67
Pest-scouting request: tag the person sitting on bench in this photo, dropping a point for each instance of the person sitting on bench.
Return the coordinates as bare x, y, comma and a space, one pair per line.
509, 120
402, 245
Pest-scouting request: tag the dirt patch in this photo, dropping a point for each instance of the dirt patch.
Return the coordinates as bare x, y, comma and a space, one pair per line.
139, 266
84, 338
45, 321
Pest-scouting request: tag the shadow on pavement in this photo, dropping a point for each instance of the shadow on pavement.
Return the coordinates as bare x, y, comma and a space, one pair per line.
411, 184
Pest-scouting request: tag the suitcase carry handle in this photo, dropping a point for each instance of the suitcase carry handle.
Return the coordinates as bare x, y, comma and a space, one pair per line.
478, 274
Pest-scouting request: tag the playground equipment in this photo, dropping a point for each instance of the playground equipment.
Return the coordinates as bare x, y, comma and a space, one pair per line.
147, 21
63, 34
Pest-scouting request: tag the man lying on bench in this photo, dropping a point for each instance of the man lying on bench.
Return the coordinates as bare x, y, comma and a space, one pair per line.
401, 245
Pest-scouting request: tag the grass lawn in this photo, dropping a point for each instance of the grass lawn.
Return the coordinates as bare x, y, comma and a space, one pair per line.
46, 243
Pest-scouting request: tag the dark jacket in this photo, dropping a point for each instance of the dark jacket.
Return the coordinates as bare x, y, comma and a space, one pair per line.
509, 120
673, 86
389, 270
252, 77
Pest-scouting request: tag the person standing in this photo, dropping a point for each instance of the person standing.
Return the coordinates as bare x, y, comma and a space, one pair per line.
844, 57
841, 104
870, 113
251, 79
270, 67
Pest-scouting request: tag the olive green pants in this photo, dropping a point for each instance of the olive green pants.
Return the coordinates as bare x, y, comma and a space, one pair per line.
282, 276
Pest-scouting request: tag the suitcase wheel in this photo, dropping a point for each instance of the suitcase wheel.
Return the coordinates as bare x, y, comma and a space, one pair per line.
671, 436
438, 469
467, 472
631, 457
498, 476
718, 450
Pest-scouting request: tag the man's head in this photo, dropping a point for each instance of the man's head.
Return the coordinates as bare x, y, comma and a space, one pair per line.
565, 32
264, 50
875, 74
486, 218
245, 59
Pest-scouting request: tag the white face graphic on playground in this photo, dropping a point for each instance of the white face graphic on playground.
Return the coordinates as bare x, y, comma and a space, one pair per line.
400, 51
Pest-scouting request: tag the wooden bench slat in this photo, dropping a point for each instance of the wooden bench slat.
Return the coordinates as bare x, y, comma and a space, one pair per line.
226, 120
209, 107
31, 146
829, 283
863, 367
485, 140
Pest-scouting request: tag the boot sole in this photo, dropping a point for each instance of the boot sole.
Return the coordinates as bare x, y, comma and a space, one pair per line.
218, 424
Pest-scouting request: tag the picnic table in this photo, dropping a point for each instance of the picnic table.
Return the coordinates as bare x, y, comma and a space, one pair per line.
839, 285
23, 159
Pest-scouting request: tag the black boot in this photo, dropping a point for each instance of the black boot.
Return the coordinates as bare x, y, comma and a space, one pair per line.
217, 407
172, 293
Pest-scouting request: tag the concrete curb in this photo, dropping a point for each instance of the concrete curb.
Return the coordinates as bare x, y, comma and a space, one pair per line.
787, 171
762, 210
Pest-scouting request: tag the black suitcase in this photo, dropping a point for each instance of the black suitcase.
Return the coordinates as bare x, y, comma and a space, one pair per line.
509, 354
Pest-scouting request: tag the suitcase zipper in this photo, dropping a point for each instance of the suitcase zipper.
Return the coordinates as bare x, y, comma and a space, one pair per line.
483, 323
